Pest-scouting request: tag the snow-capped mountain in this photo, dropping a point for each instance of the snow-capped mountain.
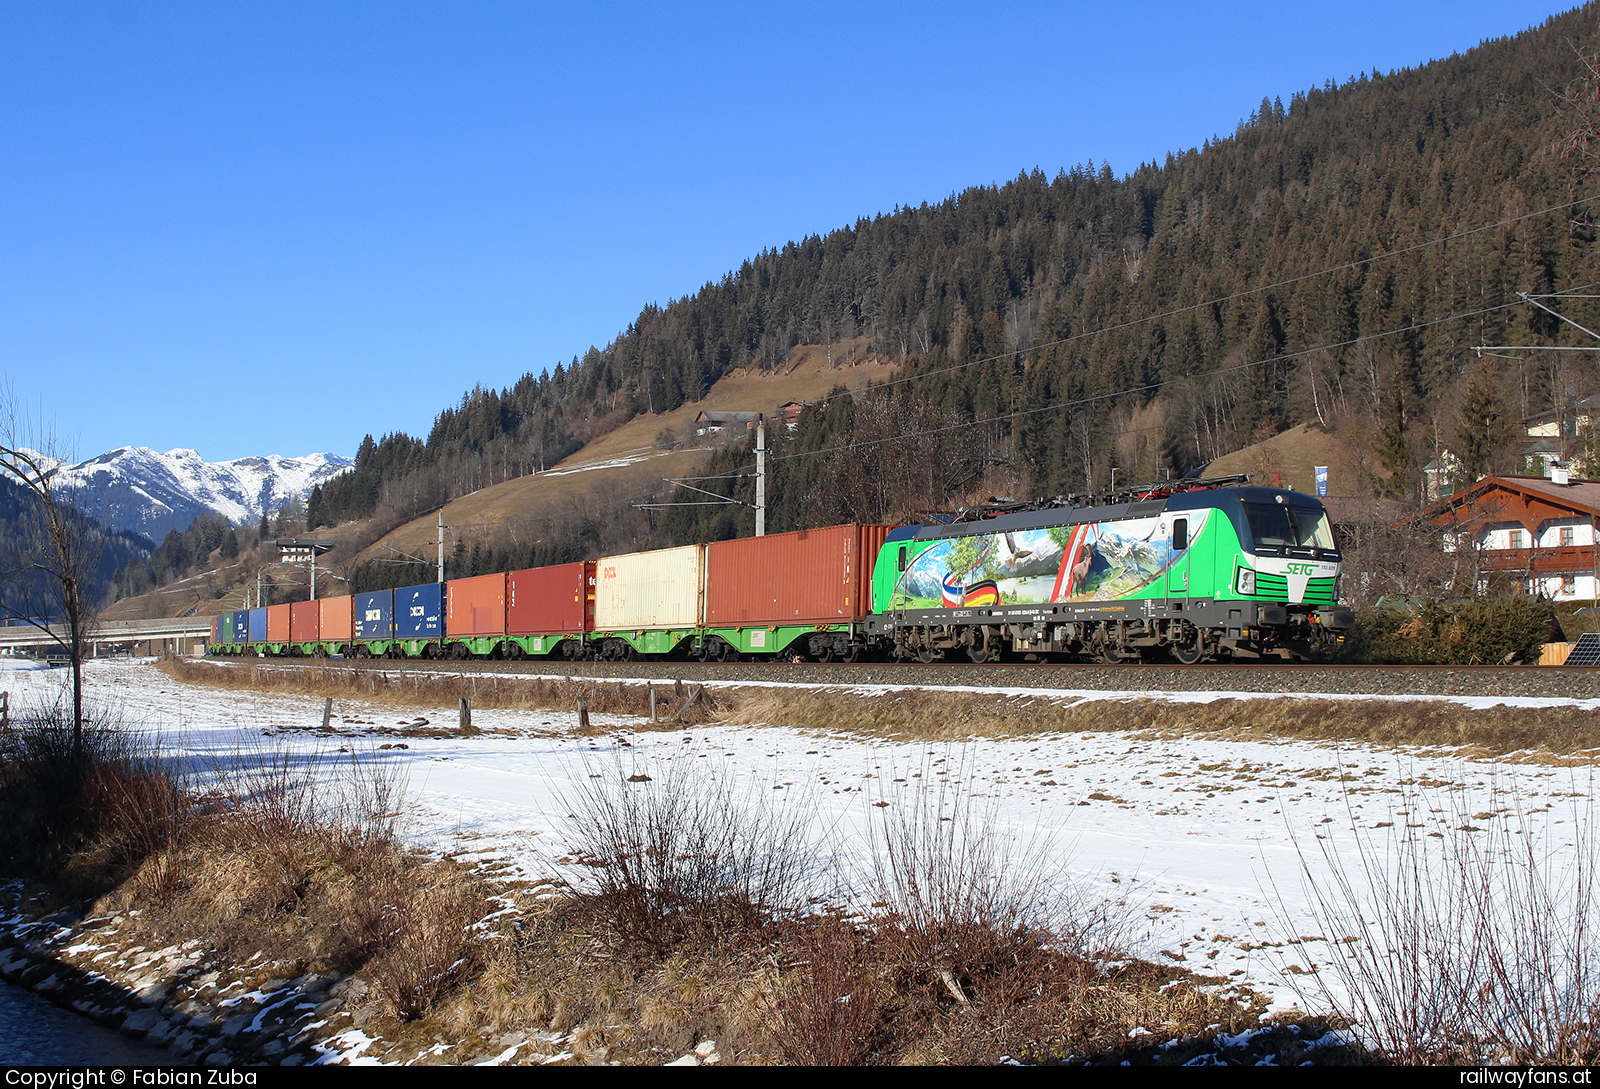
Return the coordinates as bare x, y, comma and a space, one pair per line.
148, 492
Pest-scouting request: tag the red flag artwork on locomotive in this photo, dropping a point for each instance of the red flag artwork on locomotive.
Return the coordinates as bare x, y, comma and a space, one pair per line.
1192, 570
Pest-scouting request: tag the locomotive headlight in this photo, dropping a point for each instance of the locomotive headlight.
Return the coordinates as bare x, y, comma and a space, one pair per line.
1247, 581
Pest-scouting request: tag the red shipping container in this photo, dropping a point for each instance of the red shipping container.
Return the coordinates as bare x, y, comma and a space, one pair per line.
304, 620
815, 576
335, 616
475, 606
277, 623
550, 600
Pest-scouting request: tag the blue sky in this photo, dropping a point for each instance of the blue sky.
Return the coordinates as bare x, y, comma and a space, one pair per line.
254, 228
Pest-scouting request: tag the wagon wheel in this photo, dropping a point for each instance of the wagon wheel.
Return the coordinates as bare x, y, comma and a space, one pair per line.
852, 653
825, 653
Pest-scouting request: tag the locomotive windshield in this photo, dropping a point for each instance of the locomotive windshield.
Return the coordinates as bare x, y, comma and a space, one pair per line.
1277, 526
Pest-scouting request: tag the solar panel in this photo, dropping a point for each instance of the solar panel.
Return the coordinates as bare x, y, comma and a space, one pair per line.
1586, 651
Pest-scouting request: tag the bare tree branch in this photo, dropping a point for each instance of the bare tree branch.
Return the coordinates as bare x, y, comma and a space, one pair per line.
50, 564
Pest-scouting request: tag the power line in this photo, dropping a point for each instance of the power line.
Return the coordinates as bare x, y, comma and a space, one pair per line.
1149, 386
1145, 388
634, 499
1217, 301
1346, 267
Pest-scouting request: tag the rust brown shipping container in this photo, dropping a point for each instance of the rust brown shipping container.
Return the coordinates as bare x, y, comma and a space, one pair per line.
811, 576
336, 618
277, 623
475, 606
305, 618
550, 600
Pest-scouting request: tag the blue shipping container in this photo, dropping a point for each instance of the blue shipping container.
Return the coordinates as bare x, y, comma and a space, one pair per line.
258, 625
417, 611
241, 627
375, 615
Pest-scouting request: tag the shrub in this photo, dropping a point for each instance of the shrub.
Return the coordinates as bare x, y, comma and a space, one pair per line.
112, 796
672, 853
1462, 937
1475, 631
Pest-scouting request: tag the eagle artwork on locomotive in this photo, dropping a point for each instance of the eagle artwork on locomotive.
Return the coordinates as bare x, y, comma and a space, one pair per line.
1198, 571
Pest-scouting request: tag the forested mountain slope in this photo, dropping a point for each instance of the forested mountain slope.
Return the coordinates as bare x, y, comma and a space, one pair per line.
1050, 328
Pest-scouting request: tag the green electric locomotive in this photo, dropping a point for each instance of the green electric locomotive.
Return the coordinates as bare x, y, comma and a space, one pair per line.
1195, 570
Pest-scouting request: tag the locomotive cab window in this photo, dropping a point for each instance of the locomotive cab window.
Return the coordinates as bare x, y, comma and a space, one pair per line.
1180, 534
1278, 526
901, 559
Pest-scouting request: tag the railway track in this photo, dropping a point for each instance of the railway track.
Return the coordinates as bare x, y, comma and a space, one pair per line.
1565, 682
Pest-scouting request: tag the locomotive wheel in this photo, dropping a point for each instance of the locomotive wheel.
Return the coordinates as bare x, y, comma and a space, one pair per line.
925, 655
1188, 653
1110, 655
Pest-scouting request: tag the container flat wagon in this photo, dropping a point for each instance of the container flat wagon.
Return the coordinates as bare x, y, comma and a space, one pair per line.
550, 610
647, 602
805, 592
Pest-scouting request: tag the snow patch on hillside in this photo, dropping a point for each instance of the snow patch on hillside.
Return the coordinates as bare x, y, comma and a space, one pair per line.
137, 488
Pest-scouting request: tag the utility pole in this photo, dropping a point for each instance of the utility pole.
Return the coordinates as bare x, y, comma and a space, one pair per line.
761, 478
313, 562
441, 546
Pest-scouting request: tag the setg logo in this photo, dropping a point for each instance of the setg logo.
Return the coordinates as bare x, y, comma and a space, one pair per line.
1301, 569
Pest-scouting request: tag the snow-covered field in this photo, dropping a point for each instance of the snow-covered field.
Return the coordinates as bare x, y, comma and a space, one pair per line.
1205, 839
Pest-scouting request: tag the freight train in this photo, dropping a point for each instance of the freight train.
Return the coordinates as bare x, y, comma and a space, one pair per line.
1198, 571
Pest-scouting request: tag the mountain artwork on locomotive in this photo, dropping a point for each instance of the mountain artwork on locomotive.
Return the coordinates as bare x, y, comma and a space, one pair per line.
1195, 570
